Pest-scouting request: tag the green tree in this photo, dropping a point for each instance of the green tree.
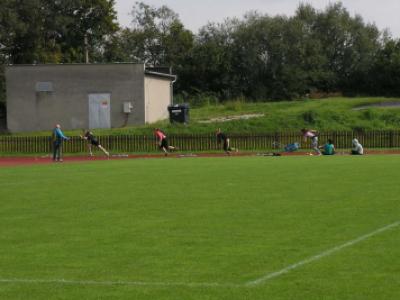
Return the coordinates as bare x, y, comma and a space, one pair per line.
151, 27
385, 74
349, 46
157, 38
21, 28
211, 60
40, 31
259, 57
43, 31
310, 46
83, 25
179, 44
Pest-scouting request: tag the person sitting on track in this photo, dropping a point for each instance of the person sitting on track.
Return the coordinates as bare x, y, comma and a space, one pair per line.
357, 148
93, 141
328, 148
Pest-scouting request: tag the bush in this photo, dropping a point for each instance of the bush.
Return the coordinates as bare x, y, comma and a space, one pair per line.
235, 105
369, 114
309, 117
197, 100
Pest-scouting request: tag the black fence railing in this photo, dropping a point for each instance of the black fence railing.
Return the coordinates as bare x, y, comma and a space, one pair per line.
202, 142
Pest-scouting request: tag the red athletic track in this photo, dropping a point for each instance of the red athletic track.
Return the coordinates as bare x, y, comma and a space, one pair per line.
35, 160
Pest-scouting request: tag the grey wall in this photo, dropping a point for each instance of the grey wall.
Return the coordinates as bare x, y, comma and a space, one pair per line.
28, 110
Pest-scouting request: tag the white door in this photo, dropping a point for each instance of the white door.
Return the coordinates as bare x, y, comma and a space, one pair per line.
99, 111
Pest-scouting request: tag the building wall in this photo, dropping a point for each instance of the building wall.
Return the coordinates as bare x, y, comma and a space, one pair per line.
67, 104
157, 98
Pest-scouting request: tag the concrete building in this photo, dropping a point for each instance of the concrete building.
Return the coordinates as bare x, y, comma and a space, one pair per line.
85, 96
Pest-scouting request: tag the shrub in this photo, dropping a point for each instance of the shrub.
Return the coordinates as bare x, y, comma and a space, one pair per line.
309, 117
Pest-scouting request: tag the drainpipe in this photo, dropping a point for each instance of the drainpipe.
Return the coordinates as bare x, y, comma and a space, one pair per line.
172, 91
85, 41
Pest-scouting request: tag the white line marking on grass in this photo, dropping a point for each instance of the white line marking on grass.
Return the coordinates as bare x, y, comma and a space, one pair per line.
326, 253
253, 283
121, 283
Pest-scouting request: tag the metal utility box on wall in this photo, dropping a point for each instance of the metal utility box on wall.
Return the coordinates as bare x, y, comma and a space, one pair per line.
128, 107
179, 113
85, 96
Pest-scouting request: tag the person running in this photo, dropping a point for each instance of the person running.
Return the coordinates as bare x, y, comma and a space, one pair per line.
93, 141
313, 135
162, 141
58, 138
222, 137
328, 148
357, 148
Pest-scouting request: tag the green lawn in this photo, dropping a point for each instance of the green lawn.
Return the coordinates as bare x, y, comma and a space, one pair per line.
201, 228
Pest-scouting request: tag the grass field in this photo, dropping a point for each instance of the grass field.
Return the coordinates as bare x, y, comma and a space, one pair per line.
202, 228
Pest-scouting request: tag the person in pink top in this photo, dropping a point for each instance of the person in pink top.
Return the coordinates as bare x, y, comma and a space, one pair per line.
313, 135
163, 141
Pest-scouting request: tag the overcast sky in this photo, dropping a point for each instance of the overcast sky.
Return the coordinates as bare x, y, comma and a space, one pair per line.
196, 13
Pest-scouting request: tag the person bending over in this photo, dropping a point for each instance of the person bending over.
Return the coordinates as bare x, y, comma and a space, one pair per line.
93, 141
162, 141
313, 135
222, 137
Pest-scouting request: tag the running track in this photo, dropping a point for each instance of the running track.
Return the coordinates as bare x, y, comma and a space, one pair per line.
40, 160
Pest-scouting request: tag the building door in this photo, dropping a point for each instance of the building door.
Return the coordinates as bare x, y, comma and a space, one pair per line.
99, 111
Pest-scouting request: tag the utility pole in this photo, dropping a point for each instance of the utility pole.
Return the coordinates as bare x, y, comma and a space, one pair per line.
85, 41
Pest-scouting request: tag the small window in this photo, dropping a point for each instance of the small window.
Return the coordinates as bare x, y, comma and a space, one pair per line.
44, 86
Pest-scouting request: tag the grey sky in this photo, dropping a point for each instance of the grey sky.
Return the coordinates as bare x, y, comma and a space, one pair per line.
194, 14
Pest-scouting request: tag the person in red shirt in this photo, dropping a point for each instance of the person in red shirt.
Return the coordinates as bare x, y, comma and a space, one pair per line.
163, 141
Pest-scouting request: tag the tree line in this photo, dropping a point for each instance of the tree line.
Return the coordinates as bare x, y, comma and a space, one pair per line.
257, 57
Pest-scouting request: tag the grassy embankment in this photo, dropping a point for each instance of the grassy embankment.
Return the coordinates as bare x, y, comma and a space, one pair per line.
324, 115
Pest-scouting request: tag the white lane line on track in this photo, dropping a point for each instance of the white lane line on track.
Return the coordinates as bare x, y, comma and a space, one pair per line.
326, 253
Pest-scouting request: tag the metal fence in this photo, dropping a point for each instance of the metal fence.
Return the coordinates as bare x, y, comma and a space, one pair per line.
201, 142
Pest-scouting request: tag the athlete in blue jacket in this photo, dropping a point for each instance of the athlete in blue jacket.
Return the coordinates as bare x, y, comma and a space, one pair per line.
58, 138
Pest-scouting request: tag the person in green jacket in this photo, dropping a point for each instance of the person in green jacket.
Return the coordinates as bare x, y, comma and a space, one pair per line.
328, 148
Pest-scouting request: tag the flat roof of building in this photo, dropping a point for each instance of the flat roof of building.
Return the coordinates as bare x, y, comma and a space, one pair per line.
146, 72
